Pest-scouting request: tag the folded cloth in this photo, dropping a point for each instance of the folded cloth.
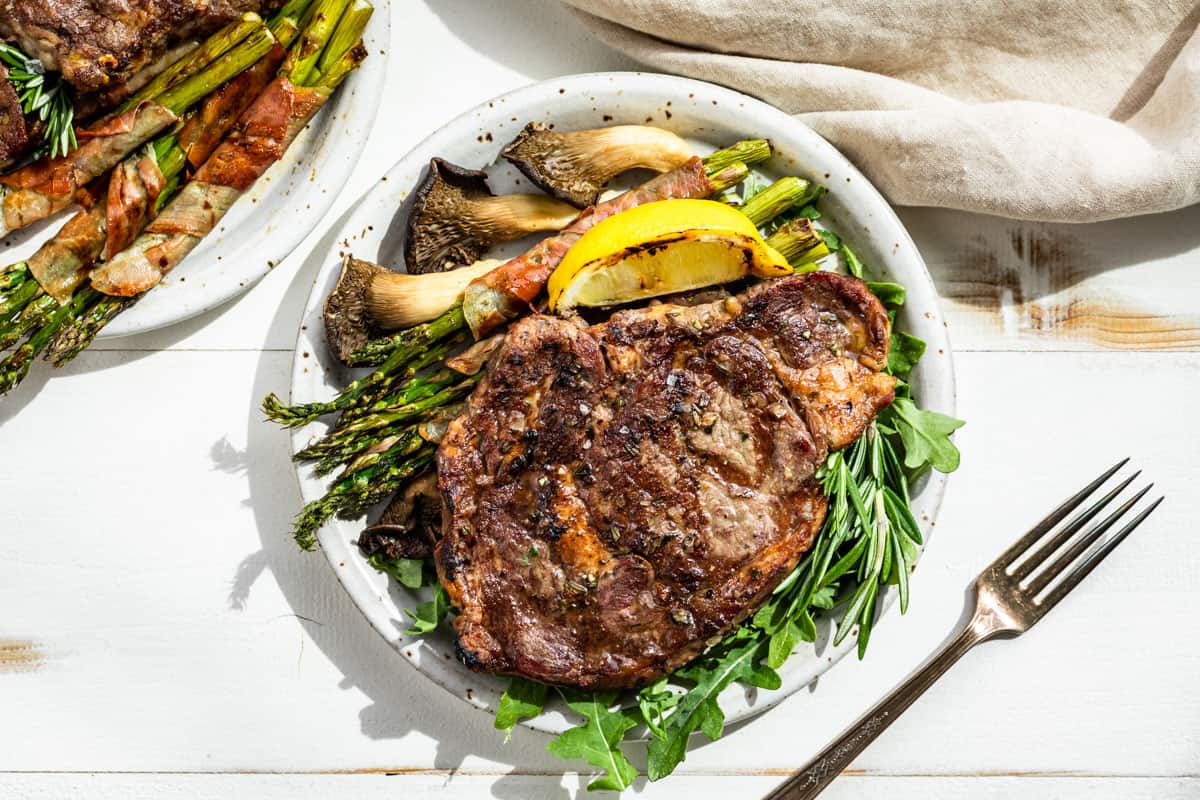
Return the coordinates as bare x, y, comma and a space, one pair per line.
1069, 110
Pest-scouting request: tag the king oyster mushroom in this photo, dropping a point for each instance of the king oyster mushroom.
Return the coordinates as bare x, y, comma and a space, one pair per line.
455, 218
410, 525
369, 300
347, 324
574, 166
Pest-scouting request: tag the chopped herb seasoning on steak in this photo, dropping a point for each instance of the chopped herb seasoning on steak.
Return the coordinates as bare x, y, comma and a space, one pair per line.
617, 497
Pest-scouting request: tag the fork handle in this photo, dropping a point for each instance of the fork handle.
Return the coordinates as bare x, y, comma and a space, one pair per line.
813, 778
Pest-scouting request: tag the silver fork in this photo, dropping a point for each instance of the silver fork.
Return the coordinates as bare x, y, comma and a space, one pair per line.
1012, 594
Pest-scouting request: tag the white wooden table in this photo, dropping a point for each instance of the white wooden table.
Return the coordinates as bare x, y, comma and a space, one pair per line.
163, 638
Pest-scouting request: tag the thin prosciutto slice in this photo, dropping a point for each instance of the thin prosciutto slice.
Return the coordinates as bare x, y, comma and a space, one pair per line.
259, 139
204, 131
508, 291
118, 210
61, 264
50, 185
133, 190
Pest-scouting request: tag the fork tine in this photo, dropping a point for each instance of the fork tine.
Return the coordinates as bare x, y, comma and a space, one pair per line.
1078, 548
1039, 556
1083, 570
1056, 516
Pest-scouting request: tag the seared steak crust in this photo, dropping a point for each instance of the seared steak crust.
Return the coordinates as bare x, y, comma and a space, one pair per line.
617, 496
14, 139
97, 44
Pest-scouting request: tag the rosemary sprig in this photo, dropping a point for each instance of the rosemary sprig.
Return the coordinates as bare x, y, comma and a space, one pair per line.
45, 95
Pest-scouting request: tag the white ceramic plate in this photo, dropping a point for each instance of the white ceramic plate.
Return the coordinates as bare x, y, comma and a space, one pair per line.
267, 223
710, 117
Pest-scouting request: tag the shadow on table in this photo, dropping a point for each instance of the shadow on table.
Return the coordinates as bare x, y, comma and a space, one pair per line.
105, 355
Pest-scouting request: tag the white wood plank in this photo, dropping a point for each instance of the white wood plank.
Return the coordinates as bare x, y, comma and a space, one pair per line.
185, 632
45, 786
1006, 285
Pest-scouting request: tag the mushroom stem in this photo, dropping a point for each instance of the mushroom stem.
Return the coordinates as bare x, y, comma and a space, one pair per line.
397, 300
519, 214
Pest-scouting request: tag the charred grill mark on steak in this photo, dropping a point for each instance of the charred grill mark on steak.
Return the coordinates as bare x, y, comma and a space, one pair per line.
617, 496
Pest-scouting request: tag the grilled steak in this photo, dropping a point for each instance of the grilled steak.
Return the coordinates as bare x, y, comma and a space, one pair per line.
617, 496
14, 138
97, 44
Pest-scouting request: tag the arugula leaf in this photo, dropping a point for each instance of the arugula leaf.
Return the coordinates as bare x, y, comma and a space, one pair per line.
521, 700
751, 186
925, 435
784, 640
823, 598
853, 264
654, 701
698, 709
408, 572
429, 615
905, 351
598, 740
809, 209
831, 239
890, 294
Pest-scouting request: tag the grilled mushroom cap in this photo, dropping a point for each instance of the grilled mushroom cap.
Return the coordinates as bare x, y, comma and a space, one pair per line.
409, 526
348, 324
574, 166
455, 218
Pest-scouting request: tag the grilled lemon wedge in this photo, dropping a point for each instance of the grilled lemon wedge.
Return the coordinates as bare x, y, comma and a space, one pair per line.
661, 248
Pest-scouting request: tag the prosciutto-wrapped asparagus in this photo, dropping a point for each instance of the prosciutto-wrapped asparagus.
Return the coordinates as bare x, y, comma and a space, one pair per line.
259, 139
50, 185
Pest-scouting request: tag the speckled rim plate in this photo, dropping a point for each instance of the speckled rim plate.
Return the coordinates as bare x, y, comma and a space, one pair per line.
266, 224
709, 116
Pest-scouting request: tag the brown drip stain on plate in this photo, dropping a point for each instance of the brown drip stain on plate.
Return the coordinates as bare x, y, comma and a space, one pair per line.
19, 655
1036, 287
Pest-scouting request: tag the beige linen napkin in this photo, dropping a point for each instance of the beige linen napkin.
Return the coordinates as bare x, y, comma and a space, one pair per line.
1038, 109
